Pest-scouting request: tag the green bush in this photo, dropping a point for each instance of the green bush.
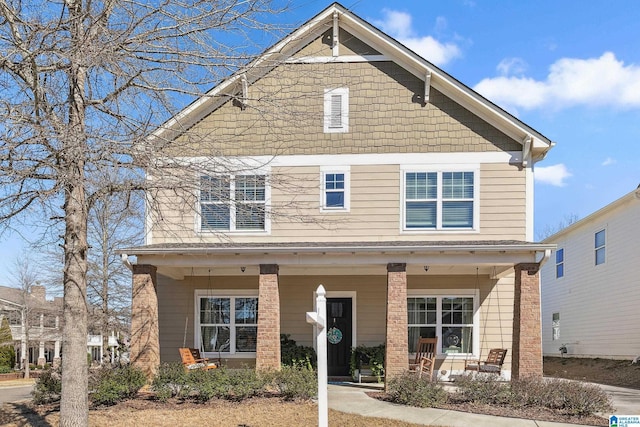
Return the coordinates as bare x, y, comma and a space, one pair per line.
371, 356
292, 354
7, 356
483, 388
294, 382
171, 380
408, 389
48, 387
5, 369
574, 398
108, 386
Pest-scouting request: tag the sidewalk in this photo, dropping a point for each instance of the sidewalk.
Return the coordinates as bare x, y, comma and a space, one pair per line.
351, 398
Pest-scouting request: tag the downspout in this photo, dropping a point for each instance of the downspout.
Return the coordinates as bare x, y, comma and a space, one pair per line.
126, 262
545, 257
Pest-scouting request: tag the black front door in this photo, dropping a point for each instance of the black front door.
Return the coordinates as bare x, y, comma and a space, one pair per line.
338, 336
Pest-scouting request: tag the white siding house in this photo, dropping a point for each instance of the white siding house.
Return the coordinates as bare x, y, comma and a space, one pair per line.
591, 286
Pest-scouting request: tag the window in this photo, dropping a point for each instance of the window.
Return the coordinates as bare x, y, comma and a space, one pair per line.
14, 317
236, 203
228, 324
439, 200
336, 110
451, 318
555, 326
560, 263
335, 189
49, 321
600, 247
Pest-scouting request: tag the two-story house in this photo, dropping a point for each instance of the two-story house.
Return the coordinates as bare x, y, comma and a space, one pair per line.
590, 289
376, 174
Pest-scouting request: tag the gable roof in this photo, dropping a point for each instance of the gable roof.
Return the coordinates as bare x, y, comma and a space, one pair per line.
535, 145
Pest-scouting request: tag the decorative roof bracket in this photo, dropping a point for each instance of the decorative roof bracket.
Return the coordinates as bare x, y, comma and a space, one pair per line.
527, 142
427, 86
245, 91
336, 30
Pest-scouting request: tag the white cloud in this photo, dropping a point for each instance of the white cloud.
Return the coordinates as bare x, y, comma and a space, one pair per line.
553, 175
608, 161
399, 26
592, 82
511, 66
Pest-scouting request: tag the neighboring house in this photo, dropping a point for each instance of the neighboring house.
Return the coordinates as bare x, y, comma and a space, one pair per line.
411, 202
590, 289
43, 317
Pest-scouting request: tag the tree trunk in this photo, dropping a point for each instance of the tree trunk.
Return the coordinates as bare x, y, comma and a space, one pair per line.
74, 403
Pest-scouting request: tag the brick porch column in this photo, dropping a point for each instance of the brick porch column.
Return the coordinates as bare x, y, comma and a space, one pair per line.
144, 351
527, 331
397, 348
268, 344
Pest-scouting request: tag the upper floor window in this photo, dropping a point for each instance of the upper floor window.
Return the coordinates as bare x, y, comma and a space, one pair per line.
335, 189
559, 263
439, 200
600, 248
14, 317
233, 203
336, 110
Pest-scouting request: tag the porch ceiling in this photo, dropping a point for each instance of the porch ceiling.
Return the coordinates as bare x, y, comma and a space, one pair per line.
348, 258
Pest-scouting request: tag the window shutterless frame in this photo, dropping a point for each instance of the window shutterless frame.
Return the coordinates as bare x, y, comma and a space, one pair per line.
335, 188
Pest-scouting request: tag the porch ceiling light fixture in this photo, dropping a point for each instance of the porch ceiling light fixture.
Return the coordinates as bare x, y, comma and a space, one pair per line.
426, 268
243, 268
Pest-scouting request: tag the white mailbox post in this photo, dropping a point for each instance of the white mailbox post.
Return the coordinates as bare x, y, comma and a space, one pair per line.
317, 319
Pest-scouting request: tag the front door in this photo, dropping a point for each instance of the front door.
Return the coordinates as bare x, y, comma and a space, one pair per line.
338, 336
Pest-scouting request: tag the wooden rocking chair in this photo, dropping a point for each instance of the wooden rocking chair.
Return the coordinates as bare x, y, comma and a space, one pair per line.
492, 365
425, 357
191, 359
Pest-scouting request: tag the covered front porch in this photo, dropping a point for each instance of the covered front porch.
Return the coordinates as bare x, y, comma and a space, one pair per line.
234, 301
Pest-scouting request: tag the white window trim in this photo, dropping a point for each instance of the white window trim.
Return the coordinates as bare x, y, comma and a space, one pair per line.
440, 169
596, 248
344, 93
443, 293
232, 230
346, 170
221, 293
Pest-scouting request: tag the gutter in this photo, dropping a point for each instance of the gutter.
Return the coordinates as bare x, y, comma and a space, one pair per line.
125, 260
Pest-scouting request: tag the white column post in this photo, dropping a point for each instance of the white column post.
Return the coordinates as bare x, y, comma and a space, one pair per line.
317, 319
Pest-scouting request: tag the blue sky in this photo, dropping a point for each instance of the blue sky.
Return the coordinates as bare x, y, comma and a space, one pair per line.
570, 69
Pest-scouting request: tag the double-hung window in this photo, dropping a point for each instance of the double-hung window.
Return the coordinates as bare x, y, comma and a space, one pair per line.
439, 200
233, 203
335, 189
451, 318
559, 263
227, 323
600, 247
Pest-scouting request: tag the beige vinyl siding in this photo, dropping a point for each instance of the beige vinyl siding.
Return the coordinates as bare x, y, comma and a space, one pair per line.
176, 306
375, 213
598, 304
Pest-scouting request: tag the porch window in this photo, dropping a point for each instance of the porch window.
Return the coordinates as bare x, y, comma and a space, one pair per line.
228, 324
450, 318
439, 200
600, 247
233, 203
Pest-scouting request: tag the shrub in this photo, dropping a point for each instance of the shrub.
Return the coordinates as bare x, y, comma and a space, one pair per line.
483, 388
575, 398
108, 386
292, 354
370, 356
408, 389
7, 356
171, 381
5, 369
244, 383
48, 387
295, 383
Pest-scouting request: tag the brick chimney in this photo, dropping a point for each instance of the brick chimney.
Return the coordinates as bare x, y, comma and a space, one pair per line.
39, 292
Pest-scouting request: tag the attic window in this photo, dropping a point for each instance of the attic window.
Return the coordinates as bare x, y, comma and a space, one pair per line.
336, 110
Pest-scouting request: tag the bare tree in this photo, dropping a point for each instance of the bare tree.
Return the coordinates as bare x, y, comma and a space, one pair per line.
82, 85
549, 230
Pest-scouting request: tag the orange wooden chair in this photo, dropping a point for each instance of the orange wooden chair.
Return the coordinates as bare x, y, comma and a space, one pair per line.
425, 357
493, 364
191, 359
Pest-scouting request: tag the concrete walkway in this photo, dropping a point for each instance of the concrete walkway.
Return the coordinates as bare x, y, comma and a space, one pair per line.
351, 398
